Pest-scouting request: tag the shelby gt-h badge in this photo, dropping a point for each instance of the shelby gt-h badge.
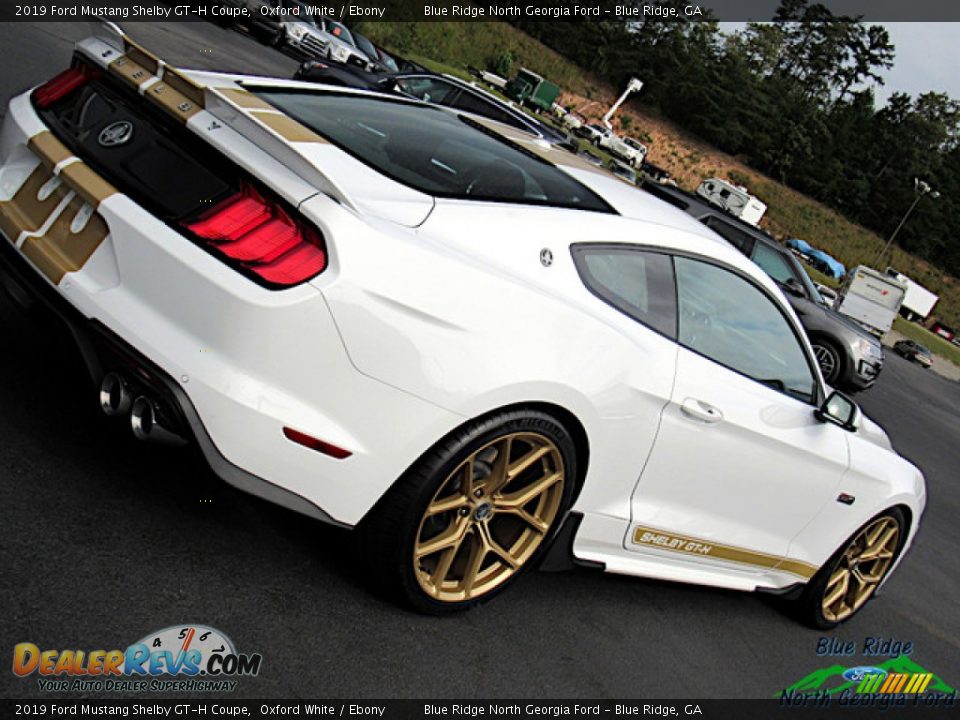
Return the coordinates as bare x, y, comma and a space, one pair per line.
342, 297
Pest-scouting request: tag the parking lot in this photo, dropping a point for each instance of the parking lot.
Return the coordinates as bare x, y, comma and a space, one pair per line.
105, 539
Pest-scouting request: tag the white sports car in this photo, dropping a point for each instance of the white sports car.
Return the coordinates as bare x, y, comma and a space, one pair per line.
469, 346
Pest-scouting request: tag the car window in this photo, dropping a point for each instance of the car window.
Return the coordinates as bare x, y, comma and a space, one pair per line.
635, 282
726, 318
434, 150
428, 89
472, 103
366, 46
773, 263
736, 237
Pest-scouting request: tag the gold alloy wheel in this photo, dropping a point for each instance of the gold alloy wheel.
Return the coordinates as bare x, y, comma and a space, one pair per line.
489, 516
861, 568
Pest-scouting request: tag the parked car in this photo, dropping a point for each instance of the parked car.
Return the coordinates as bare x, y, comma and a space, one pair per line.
914, 352
470, 353
850, 358
572, 121
430, 87
654, 173
383, 61
293, 25
627, 149
623, 171
591, 132
944, 331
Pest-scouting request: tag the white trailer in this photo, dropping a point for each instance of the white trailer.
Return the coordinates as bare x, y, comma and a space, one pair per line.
871, 298
734, 199
918, 302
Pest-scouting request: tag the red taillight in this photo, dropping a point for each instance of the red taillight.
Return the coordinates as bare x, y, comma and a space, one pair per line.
262, 236
316, 444
61, 86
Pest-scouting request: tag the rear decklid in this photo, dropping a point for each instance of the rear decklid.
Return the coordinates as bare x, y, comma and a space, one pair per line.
224, 111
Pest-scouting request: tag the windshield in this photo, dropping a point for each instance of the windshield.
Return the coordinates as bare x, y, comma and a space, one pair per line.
366, 46
434, 150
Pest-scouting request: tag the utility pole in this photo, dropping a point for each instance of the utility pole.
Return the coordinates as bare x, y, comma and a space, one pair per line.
920, 188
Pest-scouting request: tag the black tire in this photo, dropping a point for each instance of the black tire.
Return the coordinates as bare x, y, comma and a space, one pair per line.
809, 606
390, 533
830, 360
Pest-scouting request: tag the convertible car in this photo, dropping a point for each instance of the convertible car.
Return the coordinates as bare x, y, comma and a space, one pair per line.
481, 352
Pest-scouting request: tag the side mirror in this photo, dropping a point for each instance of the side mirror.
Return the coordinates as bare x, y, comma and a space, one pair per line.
839, 410
795, 287
389, 84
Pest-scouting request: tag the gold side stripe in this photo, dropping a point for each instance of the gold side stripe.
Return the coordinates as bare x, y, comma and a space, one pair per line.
173, 101
88, 184
60, 250
144, 58
130, 71
287, 128
45, 146
242, 98
24, 212
651, 537
184, 85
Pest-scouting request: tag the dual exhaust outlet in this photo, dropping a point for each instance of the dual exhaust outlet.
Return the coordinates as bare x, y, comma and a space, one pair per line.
117, 398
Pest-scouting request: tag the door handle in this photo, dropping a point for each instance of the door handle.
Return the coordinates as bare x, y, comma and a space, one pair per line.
699, 410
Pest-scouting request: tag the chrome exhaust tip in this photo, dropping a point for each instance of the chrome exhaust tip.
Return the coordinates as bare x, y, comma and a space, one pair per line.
145, 424
115, 397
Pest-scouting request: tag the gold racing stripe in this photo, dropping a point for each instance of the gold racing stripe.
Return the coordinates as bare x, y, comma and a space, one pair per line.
242, 98
287, 128
173, 101
87, 183
184, 85
24, 212
50, 150
130, 71
141, 56
651, 537
60, 250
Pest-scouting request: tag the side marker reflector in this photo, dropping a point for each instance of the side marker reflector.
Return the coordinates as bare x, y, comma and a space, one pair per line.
316, 444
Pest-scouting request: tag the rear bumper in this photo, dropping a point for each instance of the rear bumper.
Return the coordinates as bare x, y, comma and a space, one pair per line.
103, 352
241, 362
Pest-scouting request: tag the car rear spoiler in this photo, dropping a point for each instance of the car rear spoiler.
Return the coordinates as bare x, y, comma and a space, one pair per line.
186, 94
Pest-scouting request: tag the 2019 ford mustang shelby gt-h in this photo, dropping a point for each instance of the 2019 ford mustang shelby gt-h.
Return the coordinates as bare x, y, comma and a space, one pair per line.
467, 344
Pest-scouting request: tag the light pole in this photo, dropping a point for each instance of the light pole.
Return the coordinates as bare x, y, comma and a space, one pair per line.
920, 188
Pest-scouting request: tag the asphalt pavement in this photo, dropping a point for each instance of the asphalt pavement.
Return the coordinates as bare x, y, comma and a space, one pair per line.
104, 539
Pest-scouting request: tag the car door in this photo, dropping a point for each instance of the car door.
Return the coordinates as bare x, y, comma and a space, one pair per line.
740, 464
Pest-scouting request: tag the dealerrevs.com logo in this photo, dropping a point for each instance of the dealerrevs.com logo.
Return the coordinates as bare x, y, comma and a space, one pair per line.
181, 658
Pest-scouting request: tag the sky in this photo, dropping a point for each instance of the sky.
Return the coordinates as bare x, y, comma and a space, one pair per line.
927, 58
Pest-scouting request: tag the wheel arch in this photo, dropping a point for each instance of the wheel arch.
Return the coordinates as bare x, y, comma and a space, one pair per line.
565, 417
